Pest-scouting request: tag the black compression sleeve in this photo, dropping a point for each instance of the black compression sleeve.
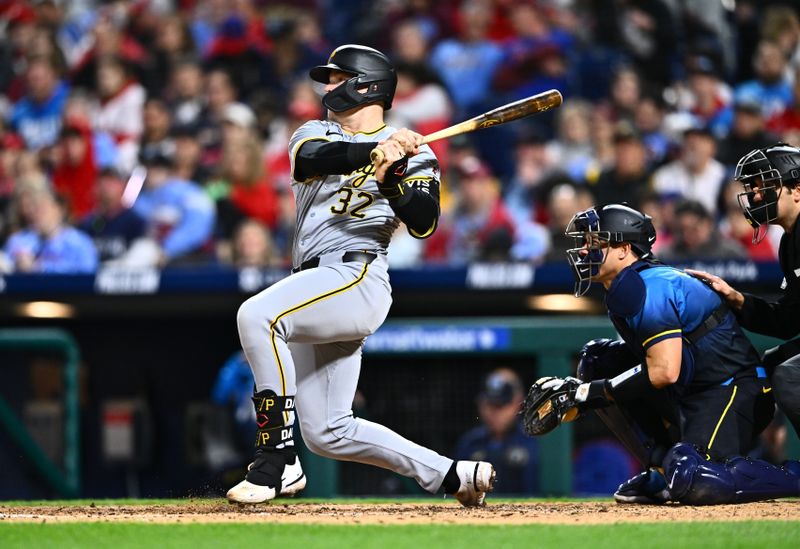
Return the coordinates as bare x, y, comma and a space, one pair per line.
630, 384
318, 157
418, 207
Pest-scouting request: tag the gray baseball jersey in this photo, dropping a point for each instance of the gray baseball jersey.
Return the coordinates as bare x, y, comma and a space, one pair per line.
303, 335
346, 212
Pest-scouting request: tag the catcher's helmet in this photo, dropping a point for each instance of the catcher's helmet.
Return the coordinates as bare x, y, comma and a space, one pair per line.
370, 69
764, 173
593, 230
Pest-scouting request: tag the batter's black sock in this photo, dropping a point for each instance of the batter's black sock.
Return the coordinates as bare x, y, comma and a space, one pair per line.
451, 484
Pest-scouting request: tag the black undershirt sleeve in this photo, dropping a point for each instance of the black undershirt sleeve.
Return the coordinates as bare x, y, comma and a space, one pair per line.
319, 157
418, 207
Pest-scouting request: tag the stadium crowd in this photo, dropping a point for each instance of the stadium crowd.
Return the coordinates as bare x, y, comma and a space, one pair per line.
661, 99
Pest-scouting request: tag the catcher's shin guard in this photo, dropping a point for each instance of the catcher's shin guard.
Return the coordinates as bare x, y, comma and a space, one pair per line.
276, 469
694, 480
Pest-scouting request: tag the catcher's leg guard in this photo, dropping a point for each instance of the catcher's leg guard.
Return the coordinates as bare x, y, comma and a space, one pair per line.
694, 480
275, 469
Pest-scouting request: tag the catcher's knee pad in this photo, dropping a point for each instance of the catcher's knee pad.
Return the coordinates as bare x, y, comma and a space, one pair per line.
694, 480
272, 419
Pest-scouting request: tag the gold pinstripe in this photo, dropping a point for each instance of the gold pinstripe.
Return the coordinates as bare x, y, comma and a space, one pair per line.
302, 306
714, 434
297, 149
649, 339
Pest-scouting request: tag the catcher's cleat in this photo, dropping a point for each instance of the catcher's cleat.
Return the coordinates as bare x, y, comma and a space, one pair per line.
291, 482
648, 488
477, 478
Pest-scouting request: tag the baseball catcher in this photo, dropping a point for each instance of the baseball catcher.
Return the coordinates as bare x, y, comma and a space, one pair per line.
683, 389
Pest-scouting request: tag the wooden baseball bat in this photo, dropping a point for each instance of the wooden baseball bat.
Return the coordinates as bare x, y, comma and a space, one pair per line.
535, 104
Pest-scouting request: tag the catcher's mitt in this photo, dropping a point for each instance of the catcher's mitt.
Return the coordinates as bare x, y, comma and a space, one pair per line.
550, 402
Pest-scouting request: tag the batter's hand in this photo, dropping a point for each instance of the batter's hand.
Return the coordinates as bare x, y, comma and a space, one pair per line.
392, 152
733, 297
408, 140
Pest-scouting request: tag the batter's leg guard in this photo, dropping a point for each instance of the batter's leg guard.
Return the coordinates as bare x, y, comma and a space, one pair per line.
274, 471
694, 480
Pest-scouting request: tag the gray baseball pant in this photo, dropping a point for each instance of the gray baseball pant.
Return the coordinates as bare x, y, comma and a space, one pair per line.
303, 337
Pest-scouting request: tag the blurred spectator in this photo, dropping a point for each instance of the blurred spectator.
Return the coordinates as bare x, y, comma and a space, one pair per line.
113, 227
788, 119
480, 228
238, 123
421, 104
37, 116
500, 439
747, 133
624, 96
696, 237
303, 105
534, 166
572, 149
661, 209
533, 57
646, 31
240, 48
173, 42
178, 214
695, 174
156, 123
467, 63
186, 92
735, 226
120, 107
781, 25
252, 246
49, 245
220, 92
188, 154
649, 121
711, 98
771, 88
563, 201
244, 189
410, 43
75, 167
628, 178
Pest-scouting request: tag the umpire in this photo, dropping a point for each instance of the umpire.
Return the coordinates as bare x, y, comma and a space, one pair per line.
771, 196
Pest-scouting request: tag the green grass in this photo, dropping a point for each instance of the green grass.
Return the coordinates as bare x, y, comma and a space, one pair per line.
718, 535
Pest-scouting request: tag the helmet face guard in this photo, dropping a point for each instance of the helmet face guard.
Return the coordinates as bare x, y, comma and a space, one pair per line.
346, 96
587, 254
760, 180
593, 231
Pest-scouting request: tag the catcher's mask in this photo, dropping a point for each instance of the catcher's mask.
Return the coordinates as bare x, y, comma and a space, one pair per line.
593, 231
372, 72
763, 173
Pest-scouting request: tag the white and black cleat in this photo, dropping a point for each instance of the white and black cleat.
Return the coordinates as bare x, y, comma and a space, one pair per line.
477, 478
292, 481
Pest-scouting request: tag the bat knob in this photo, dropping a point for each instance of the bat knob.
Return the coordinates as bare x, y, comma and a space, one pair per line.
376, 156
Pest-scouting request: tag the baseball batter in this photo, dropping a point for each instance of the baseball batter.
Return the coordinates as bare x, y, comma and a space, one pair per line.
303, 336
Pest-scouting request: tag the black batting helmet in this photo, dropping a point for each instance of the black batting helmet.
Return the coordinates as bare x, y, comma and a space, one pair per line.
370, 69
594, 229
763, 174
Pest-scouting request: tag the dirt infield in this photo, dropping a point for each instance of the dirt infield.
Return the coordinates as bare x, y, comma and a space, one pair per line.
194, 511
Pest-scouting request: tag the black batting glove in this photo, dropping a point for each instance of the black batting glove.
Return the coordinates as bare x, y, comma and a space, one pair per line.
392, 186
